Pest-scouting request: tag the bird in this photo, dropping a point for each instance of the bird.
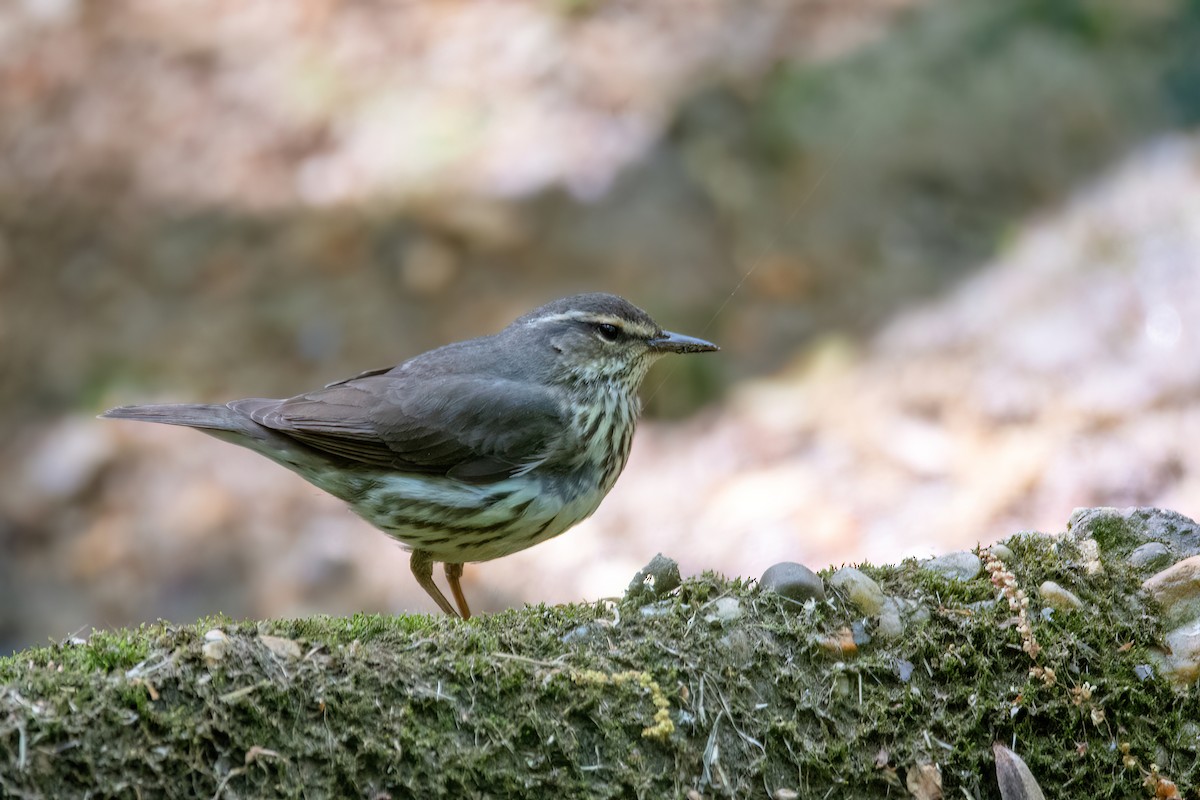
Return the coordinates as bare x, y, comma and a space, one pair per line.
471, 451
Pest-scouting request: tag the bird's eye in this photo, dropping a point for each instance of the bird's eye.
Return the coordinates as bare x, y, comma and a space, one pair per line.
608, 333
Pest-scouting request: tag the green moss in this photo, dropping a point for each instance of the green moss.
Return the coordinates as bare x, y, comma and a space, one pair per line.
609, 699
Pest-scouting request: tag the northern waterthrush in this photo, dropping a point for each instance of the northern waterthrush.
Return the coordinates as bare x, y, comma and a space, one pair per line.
471, 451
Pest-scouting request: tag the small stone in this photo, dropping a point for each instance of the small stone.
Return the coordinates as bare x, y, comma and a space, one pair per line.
738, 645
841, 643
924, 781
961, 566
1014, 777
863, 592
1151, 555
1143, 671
1177, 590
784, 794
1181, 659
216, 645
903, 670
662, 608
284, 648
912, 611
579, 633
793, 581
1002, 552
1059, 598
655, 580
891, 623
1090, 550
723, 610
1118, 528
859, 631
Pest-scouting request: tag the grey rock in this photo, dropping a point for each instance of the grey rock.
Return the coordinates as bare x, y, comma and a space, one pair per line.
579, 633
1002, 552
656, 579
793, 581
891, 623
961, 566
662, 608
1151, 555
1123, 529
1180, 659
863, 592
1059, 598
1177, 590
858, 631
723, 610
913, 611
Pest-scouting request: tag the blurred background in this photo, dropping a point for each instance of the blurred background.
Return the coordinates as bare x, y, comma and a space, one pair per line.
951, 251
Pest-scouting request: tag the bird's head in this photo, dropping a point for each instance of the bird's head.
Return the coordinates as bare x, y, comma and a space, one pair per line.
589, 338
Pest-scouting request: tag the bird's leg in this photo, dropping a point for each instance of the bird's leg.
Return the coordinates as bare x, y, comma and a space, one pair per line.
422, 569
453, 573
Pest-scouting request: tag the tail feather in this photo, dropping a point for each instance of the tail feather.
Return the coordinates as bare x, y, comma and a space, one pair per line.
206, 417
230, 425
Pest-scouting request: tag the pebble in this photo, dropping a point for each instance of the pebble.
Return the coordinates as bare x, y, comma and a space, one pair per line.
1177, 590
1014, 777
912, 611
960, 566
863, 592
1002, 552
840, 643
1131, 526
1151, 555
284, 648
1090, 550
579, 633
662, 608
656, 579
1059, 598
1181, 659
891, 623
216, 645
793, 581
723, 610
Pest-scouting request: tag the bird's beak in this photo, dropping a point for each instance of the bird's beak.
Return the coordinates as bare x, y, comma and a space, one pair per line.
678, 343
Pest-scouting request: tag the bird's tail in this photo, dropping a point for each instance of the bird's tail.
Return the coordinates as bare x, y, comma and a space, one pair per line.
210, 418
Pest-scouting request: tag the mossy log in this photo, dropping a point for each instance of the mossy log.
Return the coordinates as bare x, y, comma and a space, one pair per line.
653, 697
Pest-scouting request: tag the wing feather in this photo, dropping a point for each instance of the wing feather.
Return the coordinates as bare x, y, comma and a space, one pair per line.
478, 429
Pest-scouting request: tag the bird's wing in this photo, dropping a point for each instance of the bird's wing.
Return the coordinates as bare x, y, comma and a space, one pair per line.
477, 429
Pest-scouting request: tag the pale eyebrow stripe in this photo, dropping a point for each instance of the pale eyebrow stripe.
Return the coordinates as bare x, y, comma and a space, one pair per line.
623, 324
